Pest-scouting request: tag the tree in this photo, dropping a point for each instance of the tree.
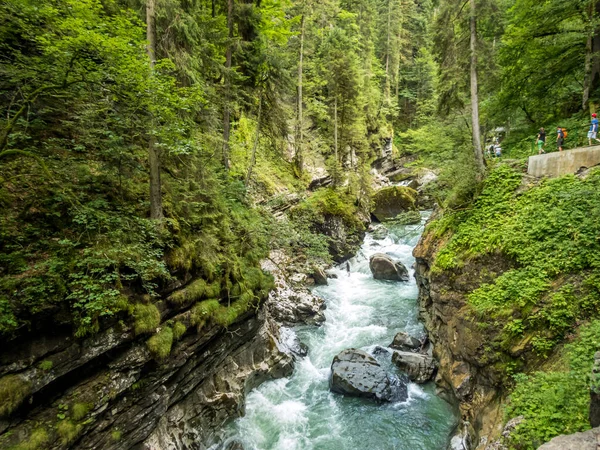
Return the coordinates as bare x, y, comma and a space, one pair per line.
475, 95
156, 210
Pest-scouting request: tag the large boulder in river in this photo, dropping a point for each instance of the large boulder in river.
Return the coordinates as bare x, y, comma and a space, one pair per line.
356, 373
419, 368
405, 342
391, 201
383, 267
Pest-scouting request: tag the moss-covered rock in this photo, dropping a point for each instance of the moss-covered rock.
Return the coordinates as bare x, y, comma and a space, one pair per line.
13, 391
391, 201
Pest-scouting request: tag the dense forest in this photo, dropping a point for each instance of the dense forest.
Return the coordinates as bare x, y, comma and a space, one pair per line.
146, 143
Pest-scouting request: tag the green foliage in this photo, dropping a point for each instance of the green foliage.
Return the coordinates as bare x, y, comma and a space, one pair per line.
13, 391
549, 232
147, 318
68, 431
309, 220
555, 403
160, 344
38, 439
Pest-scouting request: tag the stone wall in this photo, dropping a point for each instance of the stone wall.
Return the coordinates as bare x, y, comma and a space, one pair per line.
562, 163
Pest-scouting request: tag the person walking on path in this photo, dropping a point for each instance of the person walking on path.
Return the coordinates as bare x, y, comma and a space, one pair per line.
541, 140
593, 129
560, 138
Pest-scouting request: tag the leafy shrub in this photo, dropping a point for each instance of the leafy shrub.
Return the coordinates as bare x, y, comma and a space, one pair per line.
549, 233
555, 403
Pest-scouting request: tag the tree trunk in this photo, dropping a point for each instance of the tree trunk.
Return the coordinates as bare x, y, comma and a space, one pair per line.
256, 139
592, 57
227, 112
156, 210
387, 54
475, 97
300, 130
335, 140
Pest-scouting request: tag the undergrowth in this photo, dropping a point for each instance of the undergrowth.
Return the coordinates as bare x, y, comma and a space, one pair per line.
548, 231
555, 402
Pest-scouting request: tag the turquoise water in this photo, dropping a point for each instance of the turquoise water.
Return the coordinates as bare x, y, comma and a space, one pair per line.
299, 412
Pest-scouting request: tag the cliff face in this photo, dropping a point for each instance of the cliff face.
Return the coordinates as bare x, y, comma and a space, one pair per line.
108, 392
465, 372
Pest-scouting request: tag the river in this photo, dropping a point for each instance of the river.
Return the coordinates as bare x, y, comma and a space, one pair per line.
300, 413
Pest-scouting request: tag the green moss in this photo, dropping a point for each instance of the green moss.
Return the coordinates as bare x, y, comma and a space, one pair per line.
203, 312
391, 201
68, 431
160, 344
13, 391
37, 440
191, 293
147, 318
179, 330
80, 410
46, 365
329, 202
116, 435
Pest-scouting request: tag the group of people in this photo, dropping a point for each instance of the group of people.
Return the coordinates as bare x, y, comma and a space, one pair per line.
561, 135
493, 150
560, 139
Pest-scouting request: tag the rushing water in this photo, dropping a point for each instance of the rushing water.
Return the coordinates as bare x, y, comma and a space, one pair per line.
300, 413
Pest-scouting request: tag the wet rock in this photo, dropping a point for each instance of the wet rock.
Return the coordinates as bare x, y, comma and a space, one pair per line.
401, 174
380, 351
291, 306
332, 275
419, 368
406, 343
232, 445
587, 440
383, 267
290, 302
595, 392
508, 429
391, 201
356, 373
319, 276
292, 343
379, 232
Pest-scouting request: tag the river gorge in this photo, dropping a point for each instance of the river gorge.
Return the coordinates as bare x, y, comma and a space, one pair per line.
300, 412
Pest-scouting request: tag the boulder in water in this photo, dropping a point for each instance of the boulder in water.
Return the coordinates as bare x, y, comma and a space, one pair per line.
405, 342
391, 201
383, 267
419, 368
319, 276
356, 373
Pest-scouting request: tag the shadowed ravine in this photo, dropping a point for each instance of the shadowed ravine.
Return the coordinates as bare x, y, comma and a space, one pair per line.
300, 413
